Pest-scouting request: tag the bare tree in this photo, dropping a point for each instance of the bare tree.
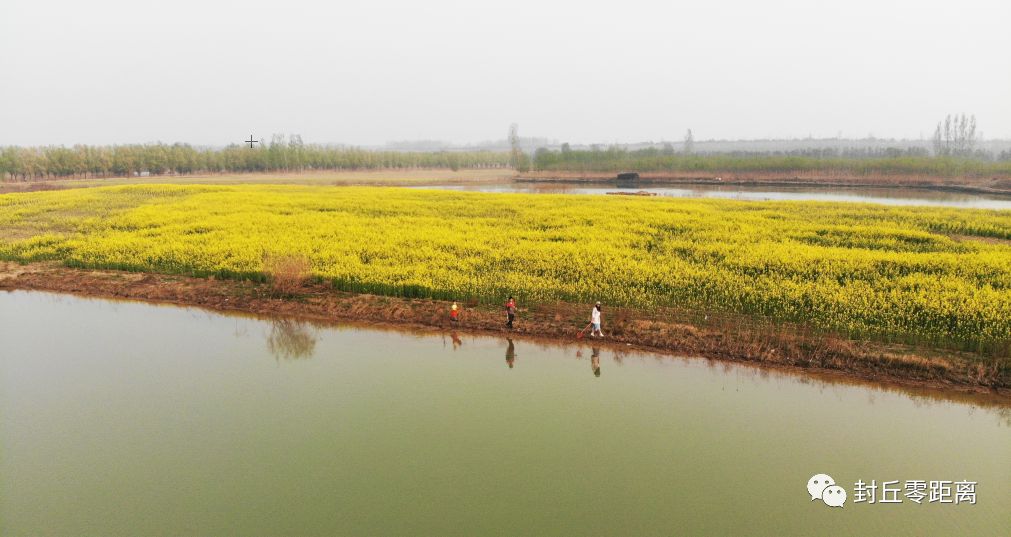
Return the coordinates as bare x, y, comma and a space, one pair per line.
955, 136
517, 158
689, 142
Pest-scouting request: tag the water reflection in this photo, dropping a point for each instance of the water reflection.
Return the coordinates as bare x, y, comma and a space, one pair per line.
740, 376
98, 431
880, 195
291, 339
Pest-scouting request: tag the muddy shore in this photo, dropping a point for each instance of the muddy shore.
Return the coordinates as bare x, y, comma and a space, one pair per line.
814, 179
625, 329
965, 185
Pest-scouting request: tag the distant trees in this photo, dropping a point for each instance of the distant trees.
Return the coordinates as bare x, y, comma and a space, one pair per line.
281, 154
955, 140
517, 158
857, 162
955, 136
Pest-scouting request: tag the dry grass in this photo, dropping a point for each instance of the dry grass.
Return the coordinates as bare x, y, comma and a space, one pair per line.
986, 240
12, 186
288, 273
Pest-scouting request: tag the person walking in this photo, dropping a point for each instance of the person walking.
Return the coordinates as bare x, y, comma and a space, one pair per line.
595, 321
510, 307
454, 313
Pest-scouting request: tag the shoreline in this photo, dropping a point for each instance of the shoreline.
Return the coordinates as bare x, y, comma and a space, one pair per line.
992, 186
559, 323
998, 186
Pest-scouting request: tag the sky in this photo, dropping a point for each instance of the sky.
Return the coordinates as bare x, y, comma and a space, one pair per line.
212, 72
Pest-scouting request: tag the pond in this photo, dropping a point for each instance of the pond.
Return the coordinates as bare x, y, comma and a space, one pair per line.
125, 418
885, 196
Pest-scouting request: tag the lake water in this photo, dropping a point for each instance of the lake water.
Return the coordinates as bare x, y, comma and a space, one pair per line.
120, 418
886, 196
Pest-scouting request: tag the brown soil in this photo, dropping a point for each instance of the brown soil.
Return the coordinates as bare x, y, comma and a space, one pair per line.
637, 193
985, 185
974, 238
7, 187
625, 329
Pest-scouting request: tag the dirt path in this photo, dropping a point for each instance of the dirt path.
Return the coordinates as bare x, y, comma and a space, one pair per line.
625, 328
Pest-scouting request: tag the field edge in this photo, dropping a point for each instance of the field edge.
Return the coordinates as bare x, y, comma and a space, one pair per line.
558, 322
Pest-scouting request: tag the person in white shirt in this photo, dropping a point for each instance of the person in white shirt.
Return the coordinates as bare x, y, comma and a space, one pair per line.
595, 321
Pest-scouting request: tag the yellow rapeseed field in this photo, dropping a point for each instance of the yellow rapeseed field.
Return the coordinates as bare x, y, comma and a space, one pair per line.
854, 268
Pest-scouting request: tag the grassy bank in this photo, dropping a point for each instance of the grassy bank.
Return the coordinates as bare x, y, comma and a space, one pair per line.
925, 276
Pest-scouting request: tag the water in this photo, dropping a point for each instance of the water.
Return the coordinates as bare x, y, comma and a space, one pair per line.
885, 196
124, 418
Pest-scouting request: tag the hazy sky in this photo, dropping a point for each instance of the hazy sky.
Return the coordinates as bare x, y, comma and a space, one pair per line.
212, 72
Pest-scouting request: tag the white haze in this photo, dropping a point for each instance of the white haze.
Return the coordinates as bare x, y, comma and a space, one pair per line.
212, 72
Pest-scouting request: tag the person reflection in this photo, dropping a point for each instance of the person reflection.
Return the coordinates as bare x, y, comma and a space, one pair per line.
595, 361
510, 353
456, 340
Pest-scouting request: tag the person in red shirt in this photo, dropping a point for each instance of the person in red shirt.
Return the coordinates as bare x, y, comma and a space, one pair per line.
510, 307
510, 353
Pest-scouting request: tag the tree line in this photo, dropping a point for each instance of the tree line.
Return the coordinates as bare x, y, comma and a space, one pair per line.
856, 162
954, 154
279, 155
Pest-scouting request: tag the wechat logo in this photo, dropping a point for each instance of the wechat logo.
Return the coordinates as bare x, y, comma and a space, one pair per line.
822, 487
